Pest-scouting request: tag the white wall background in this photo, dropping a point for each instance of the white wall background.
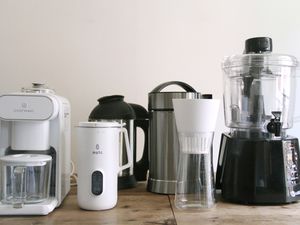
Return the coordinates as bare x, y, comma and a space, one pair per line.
86, 49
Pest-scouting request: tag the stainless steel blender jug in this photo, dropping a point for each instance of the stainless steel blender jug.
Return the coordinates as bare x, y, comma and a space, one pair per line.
163, 138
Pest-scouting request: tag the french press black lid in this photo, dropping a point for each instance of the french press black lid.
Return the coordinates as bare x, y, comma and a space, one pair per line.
112, 107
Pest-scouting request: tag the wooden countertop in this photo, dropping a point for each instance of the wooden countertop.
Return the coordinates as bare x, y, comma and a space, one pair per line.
137, 206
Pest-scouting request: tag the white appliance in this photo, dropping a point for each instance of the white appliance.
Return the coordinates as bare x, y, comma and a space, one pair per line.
37, 121
98, 166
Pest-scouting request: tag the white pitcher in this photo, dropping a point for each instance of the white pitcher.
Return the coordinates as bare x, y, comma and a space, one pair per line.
98, 163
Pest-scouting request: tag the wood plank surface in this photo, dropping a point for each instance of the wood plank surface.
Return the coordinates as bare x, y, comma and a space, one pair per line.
231, 214
137, 206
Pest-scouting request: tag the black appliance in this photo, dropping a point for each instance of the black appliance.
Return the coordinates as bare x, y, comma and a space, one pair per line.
258, 162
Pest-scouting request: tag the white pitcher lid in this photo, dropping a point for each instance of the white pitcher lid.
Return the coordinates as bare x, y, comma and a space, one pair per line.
101, 124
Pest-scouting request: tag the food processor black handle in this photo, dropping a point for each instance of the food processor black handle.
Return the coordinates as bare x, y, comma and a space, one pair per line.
142, 121
221, 162
181, 84
274, 126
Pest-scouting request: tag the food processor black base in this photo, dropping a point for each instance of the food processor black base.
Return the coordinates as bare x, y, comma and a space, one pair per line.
259, 171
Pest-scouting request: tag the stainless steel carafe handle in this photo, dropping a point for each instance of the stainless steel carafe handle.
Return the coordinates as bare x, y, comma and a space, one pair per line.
181, 84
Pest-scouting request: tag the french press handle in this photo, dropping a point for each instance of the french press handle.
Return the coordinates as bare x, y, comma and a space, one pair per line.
181, 84
142, 121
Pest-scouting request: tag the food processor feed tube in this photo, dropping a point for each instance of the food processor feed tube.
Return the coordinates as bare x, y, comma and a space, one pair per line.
258, 162
251, 112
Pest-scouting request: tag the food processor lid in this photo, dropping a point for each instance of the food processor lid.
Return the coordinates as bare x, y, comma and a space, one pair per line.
112, 107
101, 124
258, 53
260, 60
26, 159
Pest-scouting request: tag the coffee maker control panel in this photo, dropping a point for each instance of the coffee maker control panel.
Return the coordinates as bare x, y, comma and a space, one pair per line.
292, 167
28, 107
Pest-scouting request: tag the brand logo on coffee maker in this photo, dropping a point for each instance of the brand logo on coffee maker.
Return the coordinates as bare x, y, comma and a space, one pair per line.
97, 150
24, 108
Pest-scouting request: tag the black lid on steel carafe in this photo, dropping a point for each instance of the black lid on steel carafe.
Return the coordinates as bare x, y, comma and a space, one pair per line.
112, 107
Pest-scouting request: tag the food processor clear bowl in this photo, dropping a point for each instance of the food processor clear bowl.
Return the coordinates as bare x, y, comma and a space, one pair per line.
257, 86
25, 178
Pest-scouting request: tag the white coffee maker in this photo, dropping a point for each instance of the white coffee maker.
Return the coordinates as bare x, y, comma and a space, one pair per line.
34, 124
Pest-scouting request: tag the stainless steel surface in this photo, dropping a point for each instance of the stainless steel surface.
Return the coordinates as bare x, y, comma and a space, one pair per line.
164, 144
164, 151
163, 100
161, 186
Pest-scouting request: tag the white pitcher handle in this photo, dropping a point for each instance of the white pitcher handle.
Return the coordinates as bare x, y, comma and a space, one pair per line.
128, 150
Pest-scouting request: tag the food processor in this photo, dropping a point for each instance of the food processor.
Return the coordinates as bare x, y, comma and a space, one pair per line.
258, 161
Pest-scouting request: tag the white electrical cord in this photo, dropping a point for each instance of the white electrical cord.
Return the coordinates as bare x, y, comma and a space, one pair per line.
73, 175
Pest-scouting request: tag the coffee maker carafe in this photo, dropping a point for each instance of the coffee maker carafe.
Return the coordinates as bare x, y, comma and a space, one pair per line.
34, 146
258, 162
163, 137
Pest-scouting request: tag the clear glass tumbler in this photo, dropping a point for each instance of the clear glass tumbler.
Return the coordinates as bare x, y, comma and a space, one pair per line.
195, 177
